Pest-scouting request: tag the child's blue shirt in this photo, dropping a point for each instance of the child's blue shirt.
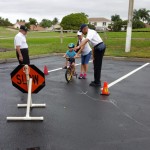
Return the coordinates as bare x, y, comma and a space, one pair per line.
70, 54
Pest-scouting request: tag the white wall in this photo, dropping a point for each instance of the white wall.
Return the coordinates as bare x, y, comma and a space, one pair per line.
100, 24
103, 24
17, 26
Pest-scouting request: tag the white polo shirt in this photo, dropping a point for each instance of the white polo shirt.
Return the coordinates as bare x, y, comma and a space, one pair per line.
93, 37
86, 48
20, 40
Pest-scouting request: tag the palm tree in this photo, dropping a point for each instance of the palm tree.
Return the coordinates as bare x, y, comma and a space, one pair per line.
144, 14
136, 15
141, 14
148, 21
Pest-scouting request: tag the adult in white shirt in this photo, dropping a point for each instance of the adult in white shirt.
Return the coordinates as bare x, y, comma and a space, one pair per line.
98, 51
21, 46
85, 56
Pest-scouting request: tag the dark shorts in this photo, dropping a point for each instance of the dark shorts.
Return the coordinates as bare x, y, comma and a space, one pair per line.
85, 58
25, 55
71, 60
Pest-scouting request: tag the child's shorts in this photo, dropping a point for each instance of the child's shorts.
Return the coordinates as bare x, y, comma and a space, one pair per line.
71, 60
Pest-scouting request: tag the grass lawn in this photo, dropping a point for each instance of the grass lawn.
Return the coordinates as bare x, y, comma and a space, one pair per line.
142, 29
49, 42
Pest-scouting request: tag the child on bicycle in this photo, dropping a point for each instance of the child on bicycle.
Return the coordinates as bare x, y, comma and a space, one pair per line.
70, 56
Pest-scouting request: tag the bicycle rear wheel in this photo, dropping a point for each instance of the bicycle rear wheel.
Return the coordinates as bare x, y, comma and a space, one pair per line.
68, 75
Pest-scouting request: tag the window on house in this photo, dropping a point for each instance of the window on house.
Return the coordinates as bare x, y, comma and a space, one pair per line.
104, 23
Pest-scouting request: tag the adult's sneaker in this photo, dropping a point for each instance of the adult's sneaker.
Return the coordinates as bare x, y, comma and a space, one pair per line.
93, 83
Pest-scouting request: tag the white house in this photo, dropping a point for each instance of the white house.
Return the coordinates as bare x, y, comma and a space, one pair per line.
100, 23
54, 27
18, 24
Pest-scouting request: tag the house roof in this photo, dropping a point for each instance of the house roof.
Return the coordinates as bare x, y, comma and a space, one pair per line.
21, 23
99, 20
56, 26
36, 28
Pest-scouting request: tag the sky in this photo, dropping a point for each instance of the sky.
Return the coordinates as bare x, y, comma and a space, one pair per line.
48, 9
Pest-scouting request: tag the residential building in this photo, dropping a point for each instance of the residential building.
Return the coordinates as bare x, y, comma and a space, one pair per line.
36, 28
54, 27
18, 24
100, 23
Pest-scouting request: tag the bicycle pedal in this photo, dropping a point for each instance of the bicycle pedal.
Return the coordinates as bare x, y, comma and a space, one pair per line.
76, 75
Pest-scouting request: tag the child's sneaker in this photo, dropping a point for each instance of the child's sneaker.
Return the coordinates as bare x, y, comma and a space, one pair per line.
65, 67
84, 76
80, 76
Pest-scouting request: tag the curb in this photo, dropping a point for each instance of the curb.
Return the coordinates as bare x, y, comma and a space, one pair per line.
9, 60
2, 61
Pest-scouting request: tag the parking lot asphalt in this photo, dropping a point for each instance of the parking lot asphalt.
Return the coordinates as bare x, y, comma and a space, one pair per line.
76, 116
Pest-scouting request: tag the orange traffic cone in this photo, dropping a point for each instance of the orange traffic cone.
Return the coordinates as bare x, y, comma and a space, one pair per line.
105, 90
45, 70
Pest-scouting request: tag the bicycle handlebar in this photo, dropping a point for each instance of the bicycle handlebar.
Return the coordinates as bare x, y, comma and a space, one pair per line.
73, 57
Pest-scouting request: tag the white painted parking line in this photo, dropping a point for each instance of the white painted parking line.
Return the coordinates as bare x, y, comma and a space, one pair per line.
116, 81
127, 75
62, 68
55, 70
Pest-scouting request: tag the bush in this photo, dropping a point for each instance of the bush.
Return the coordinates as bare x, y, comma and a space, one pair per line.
138, 24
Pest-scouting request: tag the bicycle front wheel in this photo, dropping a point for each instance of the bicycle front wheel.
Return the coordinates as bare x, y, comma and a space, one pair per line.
68, 75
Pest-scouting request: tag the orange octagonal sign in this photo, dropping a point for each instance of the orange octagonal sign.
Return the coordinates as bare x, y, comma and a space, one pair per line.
18, 78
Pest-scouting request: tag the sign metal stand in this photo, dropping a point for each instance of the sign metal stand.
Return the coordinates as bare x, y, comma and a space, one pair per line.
29, 101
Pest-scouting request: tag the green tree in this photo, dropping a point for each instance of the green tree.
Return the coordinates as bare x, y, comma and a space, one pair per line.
115, 18
5, 22
91, 26
141, 15
55, 21
20, 20
148, 21
32, 21
27, 25
136, 15
84, 14
138, 24
46, 23
117, 25
124, 22
144, 14
73, 21
116, 22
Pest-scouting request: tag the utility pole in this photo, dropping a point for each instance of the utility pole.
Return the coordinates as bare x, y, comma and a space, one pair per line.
129, 26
